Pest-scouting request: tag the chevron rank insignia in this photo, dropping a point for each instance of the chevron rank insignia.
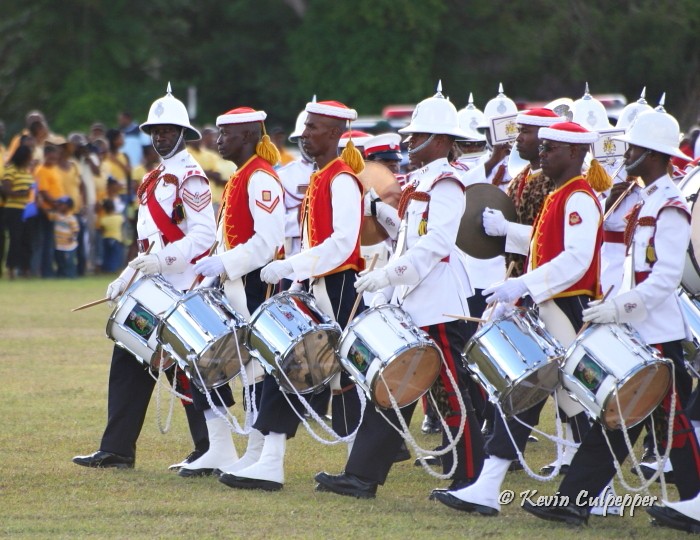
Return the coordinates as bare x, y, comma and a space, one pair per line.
197, 201
267, 203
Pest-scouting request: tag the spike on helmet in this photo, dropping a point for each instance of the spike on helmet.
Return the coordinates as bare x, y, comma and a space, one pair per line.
169, 110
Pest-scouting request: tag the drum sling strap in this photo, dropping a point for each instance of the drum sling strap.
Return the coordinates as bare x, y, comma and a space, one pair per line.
170, 231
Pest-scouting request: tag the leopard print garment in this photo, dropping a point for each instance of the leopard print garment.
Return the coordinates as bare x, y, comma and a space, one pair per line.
528, 196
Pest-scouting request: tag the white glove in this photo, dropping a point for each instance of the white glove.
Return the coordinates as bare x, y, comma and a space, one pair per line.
210, 266
508, 291
296, 286
379, 299
115, 289
275, 271
600, 312
372, 281
495, 223
370, 196
497, 311
146, 264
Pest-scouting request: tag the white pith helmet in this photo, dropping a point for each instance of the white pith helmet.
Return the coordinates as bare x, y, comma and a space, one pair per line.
590, 113
656, 130
169, 110
435, 115
498, 106
469, 120
629, 114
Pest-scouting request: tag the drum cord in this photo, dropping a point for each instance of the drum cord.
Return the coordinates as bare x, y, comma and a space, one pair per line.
661, 463
171, 407
558, 440
313, 414
408, 437
251, 412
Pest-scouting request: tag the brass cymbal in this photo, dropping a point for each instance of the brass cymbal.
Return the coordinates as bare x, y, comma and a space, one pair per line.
385, 184
471, 237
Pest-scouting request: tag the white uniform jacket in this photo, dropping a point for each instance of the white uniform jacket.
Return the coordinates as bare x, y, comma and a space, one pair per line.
295, 179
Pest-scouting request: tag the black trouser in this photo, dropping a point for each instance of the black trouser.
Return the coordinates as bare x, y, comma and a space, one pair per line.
19, 251
279, 415
592, 467
377, 442
499, 444
130, 389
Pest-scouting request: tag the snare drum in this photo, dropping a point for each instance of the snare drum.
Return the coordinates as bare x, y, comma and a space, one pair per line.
295, 342
206, 336
385, 353
610, 360
691, 347
689, 187
516, 360
134, 321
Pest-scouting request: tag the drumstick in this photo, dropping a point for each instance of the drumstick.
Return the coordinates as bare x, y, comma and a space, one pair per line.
209, 254
465, 318
269, 285
90, 304
359, 295
103, 300
509, 271
588, 323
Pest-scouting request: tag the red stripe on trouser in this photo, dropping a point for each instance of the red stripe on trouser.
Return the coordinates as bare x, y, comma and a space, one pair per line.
184, 385
454, 420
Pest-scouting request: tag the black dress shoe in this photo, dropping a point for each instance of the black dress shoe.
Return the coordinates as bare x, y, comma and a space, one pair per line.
193, 456
547, 469
231, 480
104, 460
446, 498
346, 484
430, 460
570, 514
665, 516
532, 438
648, 472
184, 472
515, 465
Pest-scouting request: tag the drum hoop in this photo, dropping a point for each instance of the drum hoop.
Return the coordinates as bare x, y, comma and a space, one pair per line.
621, 382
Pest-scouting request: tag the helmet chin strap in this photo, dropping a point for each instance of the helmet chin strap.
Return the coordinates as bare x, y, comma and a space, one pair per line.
421, 146
177, 145
303, 152
637, 161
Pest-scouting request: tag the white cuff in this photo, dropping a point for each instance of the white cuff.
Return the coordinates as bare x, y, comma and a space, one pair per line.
630, 307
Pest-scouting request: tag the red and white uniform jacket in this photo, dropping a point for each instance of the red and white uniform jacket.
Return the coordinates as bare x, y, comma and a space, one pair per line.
332, 215
250, 225
179, 180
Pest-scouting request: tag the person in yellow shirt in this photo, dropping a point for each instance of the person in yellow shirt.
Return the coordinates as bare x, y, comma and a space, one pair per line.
50, 190
17, 182
111, 225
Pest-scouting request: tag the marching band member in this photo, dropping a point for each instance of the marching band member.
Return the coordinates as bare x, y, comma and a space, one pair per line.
658, 233
385, 149
330, 258
250, 228
562, 275
176, 216
430, 279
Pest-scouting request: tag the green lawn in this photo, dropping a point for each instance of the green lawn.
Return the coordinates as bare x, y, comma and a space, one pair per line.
54, 367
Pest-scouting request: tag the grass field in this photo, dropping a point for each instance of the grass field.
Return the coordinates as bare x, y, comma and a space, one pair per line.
54, 366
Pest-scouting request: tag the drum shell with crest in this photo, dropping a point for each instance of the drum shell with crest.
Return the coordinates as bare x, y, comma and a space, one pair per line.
691, 347
608, 363
386, 354
690, 188
206, 336
295, 342
515, 360
134, 320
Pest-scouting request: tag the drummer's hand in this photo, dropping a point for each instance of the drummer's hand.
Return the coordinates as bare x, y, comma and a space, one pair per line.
600, 312
508, 291
497, 311
147, 264
495, 223
615, 192
370, 196
210, 266
372, 281
115, 288
275, 271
